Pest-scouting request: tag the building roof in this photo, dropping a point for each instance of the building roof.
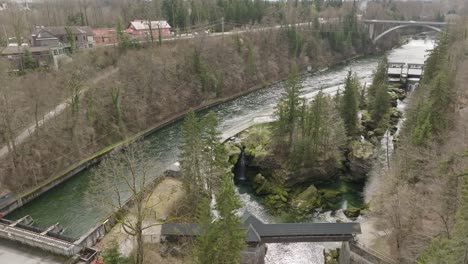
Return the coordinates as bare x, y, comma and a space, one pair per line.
58, 31
289, 229
10, 50
180, 229
144, 25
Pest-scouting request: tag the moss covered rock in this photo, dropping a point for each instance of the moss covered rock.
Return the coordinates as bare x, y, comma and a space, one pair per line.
360, 158
306, 201
352, 212
400, 94
331, 199
233, 150
331, 256
256, 140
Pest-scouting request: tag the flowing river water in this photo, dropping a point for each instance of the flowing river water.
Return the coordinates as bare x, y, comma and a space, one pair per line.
67, 203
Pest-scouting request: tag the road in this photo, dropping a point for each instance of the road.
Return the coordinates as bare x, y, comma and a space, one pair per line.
56, 111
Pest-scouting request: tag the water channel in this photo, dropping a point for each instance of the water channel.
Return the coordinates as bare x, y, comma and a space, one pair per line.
67, 203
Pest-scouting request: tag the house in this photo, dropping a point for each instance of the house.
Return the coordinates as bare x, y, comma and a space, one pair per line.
141, 28
54, 36
104, 36
43, 55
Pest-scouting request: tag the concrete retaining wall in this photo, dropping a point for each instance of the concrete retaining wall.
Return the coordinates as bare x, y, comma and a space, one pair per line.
95, 234
352, 253
49, 185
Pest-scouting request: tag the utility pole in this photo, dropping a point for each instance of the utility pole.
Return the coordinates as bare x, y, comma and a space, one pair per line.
222, 29
6, 36
222, 25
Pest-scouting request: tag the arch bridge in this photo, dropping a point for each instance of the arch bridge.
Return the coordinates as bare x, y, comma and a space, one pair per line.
387, 26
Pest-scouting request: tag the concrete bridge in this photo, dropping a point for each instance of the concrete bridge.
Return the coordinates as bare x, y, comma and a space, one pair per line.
387, 26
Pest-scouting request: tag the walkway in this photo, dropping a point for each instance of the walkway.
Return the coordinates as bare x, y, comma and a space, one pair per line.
43, 241
402, 22
15, 253
55, 112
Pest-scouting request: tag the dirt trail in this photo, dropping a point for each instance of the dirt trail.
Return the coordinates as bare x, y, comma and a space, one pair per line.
56, 111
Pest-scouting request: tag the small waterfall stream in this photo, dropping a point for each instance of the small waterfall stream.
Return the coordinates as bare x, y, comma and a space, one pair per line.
241, 166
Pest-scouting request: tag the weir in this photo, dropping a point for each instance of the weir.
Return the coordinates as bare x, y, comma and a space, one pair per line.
400, 72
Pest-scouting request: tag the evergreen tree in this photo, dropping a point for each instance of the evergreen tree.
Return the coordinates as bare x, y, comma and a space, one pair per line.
380, 105
350, 105
288, 109
379, 100
214, 152
111, 254
231, 242
324, 132
207, 239
223, 240
123, 39
380, 77
191, 159
29, 61
71, 39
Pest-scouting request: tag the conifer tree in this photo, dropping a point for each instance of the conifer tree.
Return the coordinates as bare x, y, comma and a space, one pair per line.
380, 77
214, 154
350, 105
222, 240
205, 242
29, 61
380, 105
378, 95
71, 39
231, 242
288, 109
324, 132
191, 157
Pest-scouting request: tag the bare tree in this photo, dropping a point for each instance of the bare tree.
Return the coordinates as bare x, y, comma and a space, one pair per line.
121, 177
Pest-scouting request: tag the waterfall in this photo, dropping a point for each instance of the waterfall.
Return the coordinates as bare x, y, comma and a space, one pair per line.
241, 168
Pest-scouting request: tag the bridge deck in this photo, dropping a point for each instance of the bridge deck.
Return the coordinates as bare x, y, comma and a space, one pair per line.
258, 232
401, 22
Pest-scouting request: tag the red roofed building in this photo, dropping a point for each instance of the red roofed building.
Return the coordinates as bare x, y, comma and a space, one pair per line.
141, 28
104, 36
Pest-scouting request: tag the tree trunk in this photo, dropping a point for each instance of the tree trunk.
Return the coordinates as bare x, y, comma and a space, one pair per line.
139, 240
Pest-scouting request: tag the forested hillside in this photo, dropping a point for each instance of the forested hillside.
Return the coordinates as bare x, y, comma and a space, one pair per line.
422, 202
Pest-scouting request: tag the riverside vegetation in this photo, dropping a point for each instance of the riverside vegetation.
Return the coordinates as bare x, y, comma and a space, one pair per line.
331, 138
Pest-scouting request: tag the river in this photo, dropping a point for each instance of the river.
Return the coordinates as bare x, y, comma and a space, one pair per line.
67, 203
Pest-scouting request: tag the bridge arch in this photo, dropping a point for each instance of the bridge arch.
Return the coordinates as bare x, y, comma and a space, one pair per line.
404, 26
